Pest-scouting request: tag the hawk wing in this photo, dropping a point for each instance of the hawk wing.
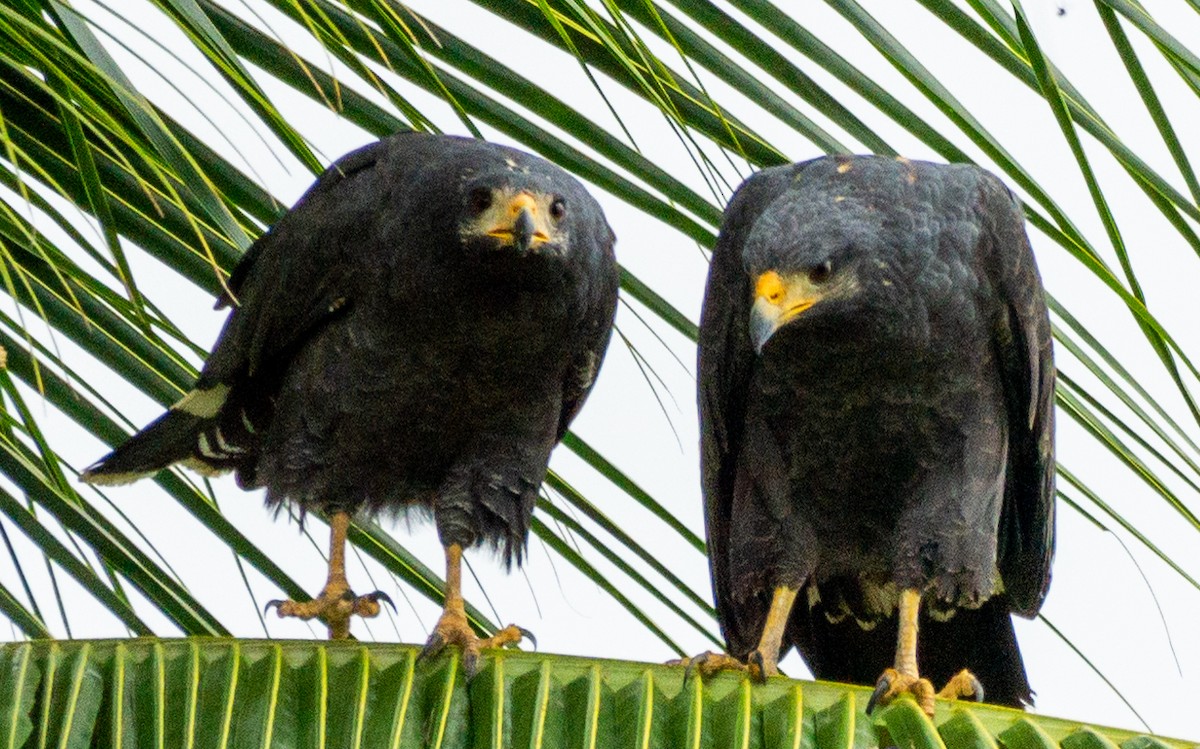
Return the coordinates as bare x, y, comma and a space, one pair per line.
290, 282
725, 360
295, 278
1022, 340
595, 320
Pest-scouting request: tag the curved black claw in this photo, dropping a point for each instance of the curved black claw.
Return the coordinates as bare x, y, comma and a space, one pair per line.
758, 667
976, 689
276, 603
979, 693
881, 688
434, 645
525, 634
379, 595
470, 662
693, 663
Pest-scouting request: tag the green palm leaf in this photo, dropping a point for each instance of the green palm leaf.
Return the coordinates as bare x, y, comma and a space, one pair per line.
182, 693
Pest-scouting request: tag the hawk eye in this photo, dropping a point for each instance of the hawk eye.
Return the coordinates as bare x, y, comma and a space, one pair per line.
479, 200
558, 209
821, 273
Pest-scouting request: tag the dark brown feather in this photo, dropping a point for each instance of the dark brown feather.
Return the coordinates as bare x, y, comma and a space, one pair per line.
897, 434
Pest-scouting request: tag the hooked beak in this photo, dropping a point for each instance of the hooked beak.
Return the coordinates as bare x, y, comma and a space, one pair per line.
524, 231
763, 322
776, 302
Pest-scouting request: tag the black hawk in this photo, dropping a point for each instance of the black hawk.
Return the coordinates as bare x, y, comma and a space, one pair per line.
876, 405
417, 332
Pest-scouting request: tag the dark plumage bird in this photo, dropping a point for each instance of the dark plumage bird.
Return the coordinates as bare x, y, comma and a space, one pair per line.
876, 401
417, 332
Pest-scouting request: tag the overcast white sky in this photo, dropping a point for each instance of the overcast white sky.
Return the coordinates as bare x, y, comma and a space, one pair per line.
1098, 599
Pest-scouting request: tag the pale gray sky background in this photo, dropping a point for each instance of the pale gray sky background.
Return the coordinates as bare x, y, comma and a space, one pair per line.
1099, 599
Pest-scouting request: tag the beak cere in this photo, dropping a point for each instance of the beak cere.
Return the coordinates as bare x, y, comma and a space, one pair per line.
776, 301
770, 286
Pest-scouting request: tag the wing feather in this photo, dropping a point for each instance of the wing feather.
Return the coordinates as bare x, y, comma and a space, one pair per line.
595, 323
294, 278
725, 360
1022, 340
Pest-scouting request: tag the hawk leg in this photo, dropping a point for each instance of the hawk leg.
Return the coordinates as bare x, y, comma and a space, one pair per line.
904, 677
763, 661
454, 628
336, 602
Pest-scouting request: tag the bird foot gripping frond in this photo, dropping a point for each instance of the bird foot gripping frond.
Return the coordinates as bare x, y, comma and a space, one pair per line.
708, 664
334, 607
893, 683
454, 629
904, 677
763, 661
963, 685
337, 602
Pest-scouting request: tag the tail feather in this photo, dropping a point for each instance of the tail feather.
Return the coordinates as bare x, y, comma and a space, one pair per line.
208, 430
169, 439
